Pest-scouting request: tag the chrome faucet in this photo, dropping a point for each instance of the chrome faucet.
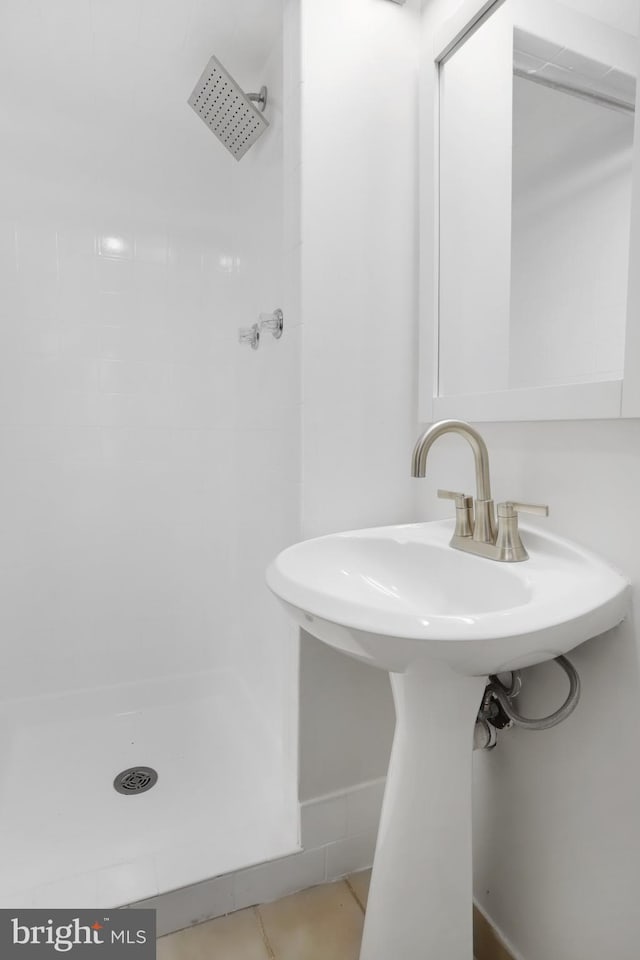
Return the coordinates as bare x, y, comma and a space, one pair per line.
476, 530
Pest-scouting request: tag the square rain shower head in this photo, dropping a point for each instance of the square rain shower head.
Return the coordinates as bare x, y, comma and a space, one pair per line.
226, 110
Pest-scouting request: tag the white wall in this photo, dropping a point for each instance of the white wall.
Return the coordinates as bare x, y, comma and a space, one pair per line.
359, 279
148, 461
557, 835
265, 411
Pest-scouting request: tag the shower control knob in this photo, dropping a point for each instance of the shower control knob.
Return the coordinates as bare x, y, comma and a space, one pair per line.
250, 335
272, 321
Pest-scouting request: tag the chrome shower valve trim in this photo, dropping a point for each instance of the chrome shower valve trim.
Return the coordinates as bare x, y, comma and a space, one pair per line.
273, 322
250, 335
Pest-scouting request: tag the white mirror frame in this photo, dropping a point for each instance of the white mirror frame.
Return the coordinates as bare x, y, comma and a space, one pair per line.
584, 401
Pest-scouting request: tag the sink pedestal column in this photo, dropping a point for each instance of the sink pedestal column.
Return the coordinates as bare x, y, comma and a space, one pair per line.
420, 901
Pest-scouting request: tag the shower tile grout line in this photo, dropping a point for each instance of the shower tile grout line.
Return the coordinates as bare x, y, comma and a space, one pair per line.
263, 932
355, 895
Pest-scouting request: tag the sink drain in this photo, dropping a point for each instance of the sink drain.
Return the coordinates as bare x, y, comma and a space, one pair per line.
135, 780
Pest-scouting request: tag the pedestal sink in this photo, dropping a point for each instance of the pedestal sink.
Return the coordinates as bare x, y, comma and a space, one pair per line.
439, 620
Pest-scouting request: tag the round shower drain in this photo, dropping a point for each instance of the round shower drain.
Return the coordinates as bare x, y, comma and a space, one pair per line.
135, 780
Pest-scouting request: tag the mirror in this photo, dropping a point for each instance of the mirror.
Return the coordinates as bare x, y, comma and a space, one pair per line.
536, 142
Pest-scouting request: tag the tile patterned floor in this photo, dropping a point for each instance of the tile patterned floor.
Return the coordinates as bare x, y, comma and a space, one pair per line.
323, 923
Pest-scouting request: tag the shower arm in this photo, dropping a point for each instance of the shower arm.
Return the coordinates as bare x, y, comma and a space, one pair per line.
259, 98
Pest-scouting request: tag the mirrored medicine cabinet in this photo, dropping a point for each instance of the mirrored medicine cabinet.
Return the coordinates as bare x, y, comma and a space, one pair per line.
536, 206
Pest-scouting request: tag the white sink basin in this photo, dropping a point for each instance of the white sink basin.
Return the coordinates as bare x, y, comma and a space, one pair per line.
439, 620
394, 595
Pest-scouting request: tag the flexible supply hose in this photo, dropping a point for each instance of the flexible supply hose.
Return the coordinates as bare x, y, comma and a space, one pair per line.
501, 694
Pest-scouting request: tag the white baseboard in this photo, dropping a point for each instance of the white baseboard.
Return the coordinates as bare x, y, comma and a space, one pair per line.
338, 837
489, 941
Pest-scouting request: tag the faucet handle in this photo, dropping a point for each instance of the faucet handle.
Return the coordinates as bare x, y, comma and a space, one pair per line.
511, 507
509, 546
461, 499
464, 511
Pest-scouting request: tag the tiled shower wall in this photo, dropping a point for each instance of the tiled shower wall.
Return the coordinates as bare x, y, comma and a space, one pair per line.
147, 460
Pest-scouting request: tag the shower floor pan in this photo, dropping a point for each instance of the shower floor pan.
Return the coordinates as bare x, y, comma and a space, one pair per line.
68, 839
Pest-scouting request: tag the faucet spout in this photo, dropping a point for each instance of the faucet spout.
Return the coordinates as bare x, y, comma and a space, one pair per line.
479, 447
477, 532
